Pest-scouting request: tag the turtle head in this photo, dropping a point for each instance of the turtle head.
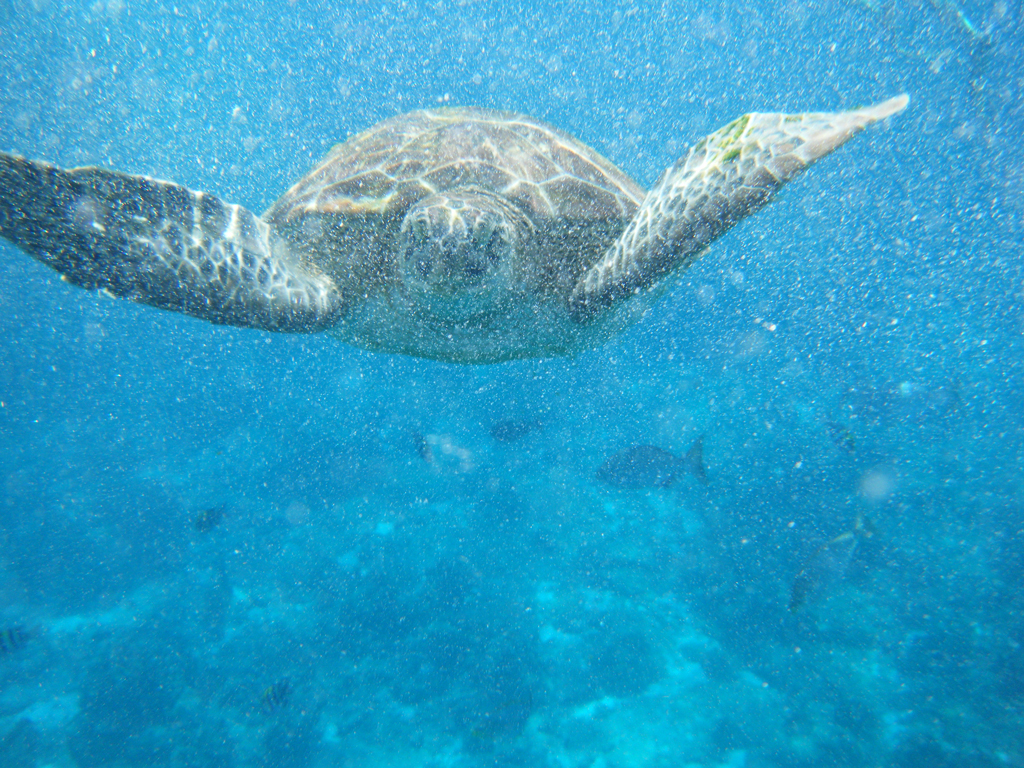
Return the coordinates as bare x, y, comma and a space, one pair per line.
459, 243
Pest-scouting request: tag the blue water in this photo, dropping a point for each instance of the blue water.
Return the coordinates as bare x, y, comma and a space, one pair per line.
854, 351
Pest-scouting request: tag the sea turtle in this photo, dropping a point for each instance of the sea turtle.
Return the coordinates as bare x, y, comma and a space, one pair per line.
460, 234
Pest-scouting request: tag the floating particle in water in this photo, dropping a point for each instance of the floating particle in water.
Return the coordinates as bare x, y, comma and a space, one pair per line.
297, 513
877, 485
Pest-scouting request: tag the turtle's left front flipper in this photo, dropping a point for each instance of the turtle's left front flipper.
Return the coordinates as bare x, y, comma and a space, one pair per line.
161, 244
731, 174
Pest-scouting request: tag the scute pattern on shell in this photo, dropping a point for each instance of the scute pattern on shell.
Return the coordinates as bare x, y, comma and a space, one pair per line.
383, 170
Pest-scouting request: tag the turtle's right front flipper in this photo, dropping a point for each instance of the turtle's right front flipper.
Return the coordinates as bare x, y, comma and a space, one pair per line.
161, 244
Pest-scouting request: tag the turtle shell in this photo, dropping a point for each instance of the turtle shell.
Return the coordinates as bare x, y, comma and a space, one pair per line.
547, 173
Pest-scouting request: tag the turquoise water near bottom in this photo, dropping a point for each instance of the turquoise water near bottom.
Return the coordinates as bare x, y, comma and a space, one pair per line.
228, 548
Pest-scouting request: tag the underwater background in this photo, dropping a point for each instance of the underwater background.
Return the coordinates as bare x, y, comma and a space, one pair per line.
223, 547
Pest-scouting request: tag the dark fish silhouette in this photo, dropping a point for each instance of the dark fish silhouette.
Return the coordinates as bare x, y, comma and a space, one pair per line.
13, 639
275, 697
208, 519
503, 717
908, 401
647, 466
510, 430
423, 449
841, 437
827, 566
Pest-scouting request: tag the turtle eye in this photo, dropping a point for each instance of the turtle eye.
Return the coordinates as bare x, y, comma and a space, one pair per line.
495, 247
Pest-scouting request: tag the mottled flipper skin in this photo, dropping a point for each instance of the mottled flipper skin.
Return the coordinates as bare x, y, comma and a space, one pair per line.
731, 174
161, 244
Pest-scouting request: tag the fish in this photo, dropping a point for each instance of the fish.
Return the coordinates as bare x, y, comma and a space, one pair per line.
503, 717
841, 437
510, 430
275, 697
13, 638
423, 449
208, 519
647, 466
908, 401
827, 565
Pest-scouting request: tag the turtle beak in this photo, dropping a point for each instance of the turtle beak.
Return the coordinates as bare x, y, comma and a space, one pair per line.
450, 245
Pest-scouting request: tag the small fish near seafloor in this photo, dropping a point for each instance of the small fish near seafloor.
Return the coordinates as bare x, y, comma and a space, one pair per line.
275, 697
503, 717
841, 437
13, 639
511, 430
208, 519
827, 566
647, 466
